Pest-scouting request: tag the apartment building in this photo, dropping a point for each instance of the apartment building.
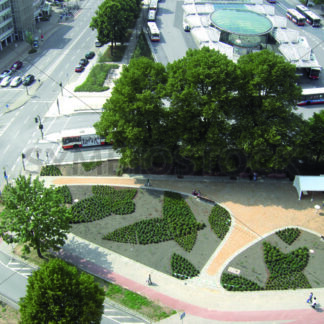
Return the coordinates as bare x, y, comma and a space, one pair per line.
6, 24
17, 17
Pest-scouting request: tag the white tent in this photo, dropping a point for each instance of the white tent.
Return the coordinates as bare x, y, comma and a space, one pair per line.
308, 183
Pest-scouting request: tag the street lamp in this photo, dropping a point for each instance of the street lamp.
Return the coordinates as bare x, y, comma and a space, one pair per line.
40, 125
23, 156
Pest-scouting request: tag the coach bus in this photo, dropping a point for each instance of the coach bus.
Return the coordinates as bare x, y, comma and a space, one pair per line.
296, 17
312, 96
77, 138
153, 31
311, 17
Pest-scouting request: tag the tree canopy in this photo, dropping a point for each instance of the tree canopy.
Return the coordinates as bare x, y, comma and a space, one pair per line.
59, 293
34, 215
205, 108
113, 19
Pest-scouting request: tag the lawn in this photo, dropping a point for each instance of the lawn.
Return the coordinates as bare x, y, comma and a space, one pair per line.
118, 52
149, 205
96, 78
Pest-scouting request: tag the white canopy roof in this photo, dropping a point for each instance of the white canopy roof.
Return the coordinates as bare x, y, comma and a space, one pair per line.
308, 183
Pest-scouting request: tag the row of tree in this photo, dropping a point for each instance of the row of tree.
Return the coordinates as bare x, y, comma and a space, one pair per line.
113, 19
205, 108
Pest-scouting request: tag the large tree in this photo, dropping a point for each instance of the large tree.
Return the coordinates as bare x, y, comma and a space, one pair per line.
34, 216
59, 293
264, 119
112, 20
316, 138
201, 87
134, 116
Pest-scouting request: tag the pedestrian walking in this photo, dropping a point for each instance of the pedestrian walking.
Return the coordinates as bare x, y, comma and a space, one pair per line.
149, 280
310, 298
147, 184
37, 154
314, 303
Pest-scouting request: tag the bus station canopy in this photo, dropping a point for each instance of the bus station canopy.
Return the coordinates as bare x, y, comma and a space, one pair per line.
308, 183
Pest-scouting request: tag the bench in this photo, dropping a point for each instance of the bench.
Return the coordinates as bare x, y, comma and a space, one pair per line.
206, 200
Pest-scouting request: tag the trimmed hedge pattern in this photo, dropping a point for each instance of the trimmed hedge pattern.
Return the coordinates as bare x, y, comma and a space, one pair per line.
181, 220
50, 170
181, 268
289, 235
238, 283
294, 280
220, 221
65, 192
147, 231
106, 201
178, 223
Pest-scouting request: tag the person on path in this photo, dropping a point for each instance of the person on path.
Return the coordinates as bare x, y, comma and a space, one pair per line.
310, 298
314, 303
149, 280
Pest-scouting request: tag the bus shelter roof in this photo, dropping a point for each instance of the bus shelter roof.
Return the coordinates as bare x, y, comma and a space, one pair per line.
286, 36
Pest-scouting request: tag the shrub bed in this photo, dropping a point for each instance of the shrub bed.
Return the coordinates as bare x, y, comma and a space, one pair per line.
238, 283
147, 231
121, 194
50, 170
181, 268
89, 166
65, 192
181, 220
289, 235
286, 269
220, 221
293, 280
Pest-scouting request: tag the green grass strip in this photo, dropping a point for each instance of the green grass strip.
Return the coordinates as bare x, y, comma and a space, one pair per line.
96, 78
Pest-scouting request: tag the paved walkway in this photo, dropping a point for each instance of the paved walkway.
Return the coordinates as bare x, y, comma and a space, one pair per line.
258, 209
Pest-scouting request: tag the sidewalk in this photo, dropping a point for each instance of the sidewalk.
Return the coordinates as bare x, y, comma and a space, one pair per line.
203, 297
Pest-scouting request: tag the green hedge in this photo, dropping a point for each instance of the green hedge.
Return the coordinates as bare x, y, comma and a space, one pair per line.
289, 235
220, 221
293, 280
238, 283
65, 192
146, 231
106, 201
89, 166
181, 220
181, 268
50, 170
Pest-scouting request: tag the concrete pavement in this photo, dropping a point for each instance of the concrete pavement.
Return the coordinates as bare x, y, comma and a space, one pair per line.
203, 299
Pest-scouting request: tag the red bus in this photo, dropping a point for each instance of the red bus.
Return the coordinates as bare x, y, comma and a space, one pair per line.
84, 137
296, 17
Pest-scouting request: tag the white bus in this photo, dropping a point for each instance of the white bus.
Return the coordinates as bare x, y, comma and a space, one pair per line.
153, 31
151, 15
310, 16
312, 96
153, 5
84, 137
296, 17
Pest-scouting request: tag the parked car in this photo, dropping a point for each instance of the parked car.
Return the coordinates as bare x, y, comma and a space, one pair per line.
16, 81
83, 62
35, 44
28, 80
16, 66
90, 55
98, 44
79, 68
6, 81
5, 73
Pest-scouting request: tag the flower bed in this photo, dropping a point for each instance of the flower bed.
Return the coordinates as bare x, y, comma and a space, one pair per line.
220, 221
289, 235
181, 268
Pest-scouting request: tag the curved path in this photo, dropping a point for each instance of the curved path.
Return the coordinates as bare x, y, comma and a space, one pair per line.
258, 209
